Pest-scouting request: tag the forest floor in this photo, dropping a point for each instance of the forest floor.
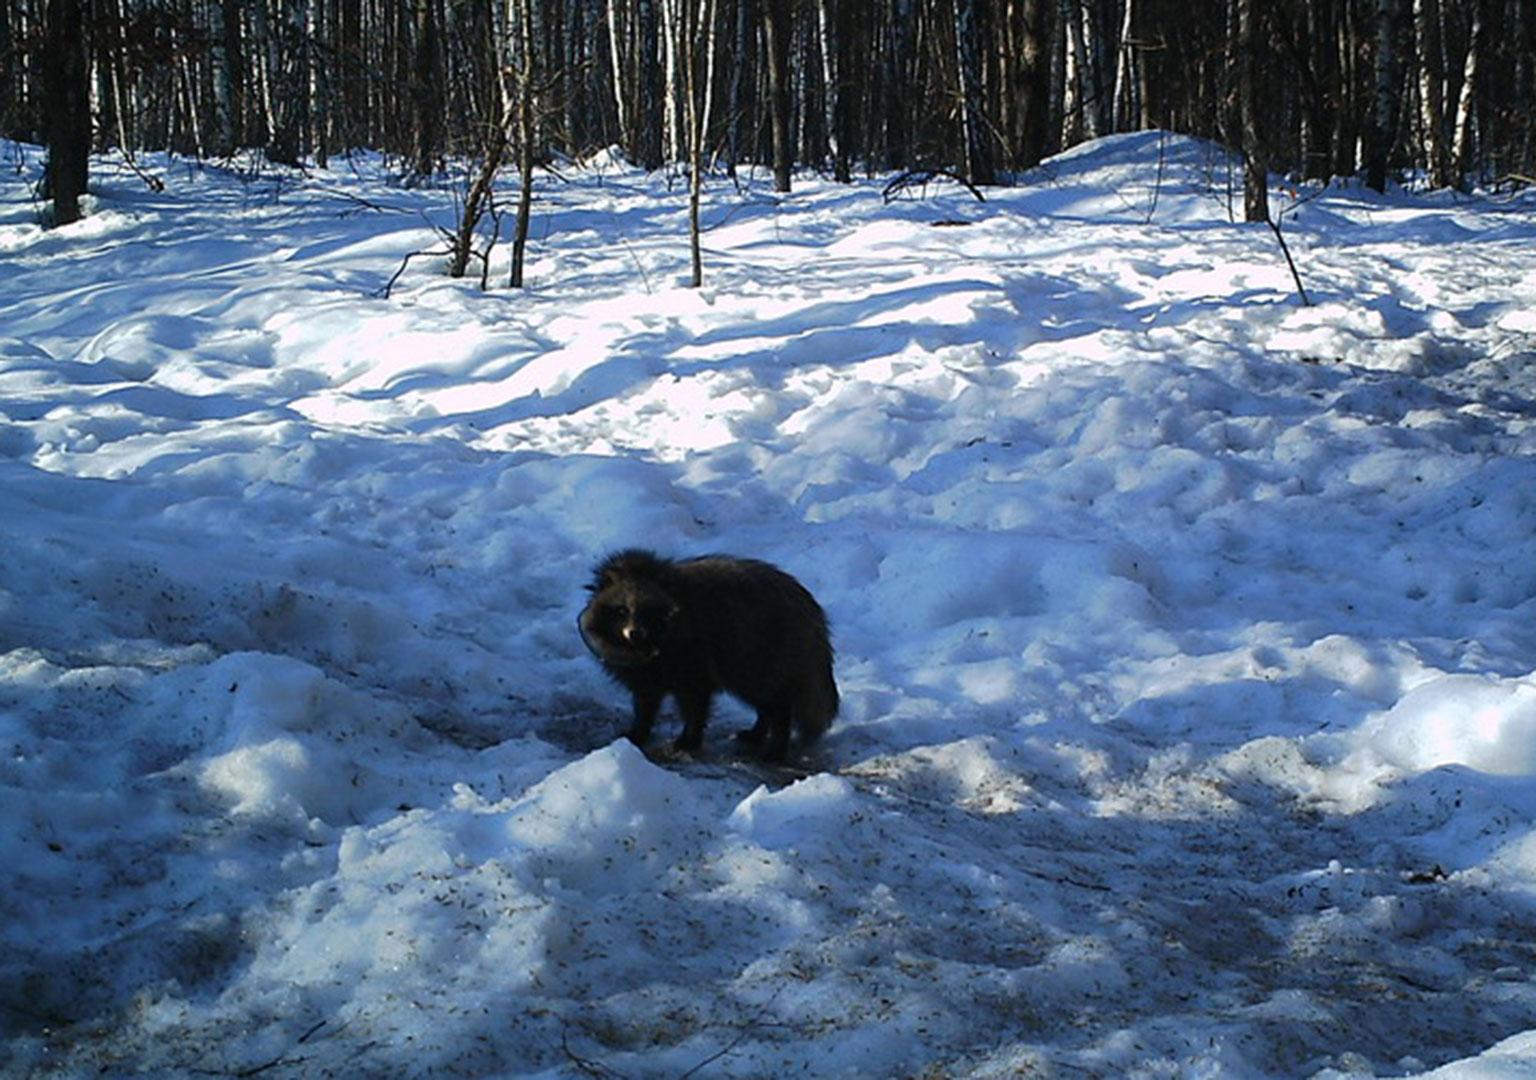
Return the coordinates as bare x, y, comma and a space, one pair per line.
1186, 633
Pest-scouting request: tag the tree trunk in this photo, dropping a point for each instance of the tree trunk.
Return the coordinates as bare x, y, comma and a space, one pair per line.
1523, 136
698, 16
222, 142
115, 117
829, 25
1075, 124
1384, 104
1058, 80
188, 108
776, 32
279, 94
425, 95
1431, 75
1035, 87
356, 122
1095, 101
671, 83
1124, 95
978, 158
67, 107
573, 76
616, 59
1346, 122
709, 36
1321, 92
649, 103
743, 58
1255, 163
480, 193
897, 128
1461, 148
315, 80
527, 73
10, 82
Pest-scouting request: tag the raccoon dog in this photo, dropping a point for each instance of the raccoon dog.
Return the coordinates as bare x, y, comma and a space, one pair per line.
693, 627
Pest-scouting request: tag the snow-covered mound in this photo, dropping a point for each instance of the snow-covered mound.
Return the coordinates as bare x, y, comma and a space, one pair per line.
1480, 721
1186, 634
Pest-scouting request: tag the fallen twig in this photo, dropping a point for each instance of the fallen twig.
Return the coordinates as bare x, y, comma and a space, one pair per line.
591, 1068
383, 293
257, 1070
754, 1025
717, 1055
1285, 249
154, 183
362, 204
922, 178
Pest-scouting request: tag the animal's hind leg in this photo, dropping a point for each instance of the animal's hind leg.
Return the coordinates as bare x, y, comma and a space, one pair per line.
770, 734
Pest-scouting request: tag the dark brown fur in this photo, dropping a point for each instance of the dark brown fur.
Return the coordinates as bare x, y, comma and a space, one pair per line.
693, 627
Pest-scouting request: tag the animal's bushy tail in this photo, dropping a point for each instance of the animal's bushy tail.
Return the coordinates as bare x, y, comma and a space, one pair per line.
817, 706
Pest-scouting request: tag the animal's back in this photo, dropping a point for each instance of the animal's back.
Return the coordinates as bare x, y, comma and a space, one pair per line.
766, 635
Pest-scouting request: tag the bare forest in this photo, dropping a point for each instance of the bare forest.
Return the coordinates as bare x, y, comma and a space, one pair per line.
1444, 90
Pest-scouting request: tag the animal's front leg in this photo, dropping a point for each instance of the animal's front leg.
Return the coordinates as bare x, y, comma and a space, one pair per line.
693, 704
647, 705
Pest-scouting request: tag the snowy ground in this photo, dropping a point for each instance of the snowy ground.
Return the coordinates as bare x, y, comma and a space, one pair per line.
1186, 634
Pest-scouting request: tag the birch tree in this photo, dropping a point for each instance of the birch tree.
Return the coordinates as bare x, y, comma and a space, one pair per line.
222, 142
618, 70
695, 19
1124, 96
1096, 111
978, 158
525, 71
1431, 86
317, 80
1384, 108
833, 33
1461, 146
1076, 121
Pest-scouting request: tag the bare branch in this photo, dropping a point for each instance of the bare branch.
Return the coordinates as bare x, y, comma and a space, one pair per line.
920, 178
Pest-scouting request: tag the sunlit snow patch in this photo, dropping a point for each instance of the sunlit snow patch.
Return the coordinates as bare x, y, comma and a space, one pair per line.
805, 810
1480, 721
